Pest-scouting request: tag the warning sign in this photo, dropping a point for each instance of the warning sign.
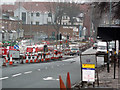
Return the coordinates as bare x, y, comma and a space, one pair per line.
88, 72
88, 65
88, 75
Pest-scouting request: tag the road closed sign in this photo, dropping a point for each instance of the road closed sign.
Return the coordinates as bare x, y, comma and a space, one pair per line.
88, 72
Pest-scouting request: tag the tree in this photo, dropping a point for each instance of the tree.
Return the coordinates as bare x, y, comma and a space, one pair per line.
59, 9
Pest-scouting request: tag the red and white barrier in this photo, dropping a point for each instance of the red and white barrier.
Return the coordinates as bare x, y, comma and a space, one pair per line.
31, 59
11, 61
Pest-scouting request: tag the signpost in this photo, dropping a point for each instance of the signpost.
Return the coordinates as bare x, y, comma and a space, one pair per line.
16, 47
88, 68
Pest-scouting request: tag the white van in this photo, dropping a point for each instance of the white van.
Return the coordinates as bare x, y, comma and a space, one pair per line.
102, 47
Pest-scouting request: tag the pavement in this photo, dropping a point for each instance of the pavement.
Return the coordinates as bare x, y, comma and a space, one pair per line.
107, 79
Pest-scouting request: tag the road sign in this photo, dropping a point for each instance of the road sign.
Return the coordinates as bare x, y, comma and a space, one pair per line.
16, 47
88, 65
88, 71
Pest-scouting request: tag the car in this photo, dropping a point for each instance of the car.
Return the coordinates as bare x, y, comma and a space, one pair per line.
95, 46
74, 51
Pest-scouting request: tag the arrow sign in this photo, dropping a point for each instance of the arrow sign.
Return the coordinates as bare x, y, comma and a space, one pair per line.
16, 47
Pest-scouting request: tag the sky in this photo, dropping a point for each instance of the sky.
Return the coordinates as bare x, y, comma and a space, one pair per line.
82, 1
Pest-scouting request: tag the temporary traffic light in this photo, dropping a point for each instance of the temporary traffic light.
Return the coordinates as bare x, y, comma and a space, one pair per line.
45, 48
57, 37
67, 37
60, 36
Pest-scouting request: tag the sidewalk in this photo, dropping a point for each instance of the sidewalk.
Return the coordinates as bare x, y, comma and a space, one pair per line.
107, 79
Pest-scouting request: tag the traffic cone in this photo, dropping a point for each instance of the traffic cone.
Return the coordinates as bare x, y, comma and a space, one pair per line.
31, 61
62, 85
39, 58
4, 62
68, 81
42, 60
6, 59
27, 59
35, 58
11, 62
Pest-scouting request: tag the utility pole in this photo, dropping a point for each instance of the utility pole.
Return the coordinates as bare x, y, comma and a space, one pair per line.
30, 22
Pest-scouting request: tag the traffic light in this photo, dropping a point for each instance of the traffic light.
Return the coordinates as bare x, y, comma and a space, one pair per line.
57, 37
45, 48
60, 36
67, 37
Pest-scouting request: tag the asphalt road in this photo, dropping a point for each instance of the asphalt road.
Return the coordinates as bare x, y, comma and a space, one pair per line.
42, 75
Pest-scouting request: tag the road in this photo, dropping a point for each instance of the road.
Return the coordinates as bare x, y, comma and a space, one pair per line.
42, 75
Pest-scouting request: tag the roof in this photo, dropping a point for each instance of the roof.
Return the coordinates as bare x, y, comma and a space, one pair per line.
8, 7
38, 6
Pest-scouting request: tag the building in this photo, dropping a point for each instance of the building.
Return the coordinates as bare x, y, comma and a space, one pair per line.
11, 28
38, 13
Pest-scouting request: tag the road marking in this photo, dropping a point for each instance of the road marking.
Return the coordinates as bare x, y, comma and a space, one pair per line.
57, 65
38, 69
48, 78
63, 64
4, 78
27, 72
57, 79
16, 75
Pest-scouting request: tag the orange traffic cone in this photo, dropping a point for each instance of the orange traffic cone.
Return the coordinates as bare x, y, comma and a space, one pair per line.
62, 85
6, 59
31, 61
42, 60
27, 59
11, 62
39, 58
35, 58
4, 62
68, 81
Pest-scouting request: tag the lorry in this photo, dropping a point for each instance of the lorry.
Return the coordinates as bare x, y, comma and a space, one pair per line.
102, 47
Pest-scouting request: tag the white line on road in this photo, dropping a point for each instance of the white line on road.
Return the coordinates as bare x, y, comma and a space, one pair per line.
4, 78
38, 69
16, 75
27, 72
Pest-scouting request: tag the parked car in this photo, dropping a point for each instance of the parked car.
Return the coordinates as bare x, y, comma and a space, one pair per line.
74, 51
95, 46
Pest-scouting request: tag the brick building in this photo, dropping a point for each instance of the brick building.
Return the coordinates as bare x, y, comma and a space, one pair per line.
36, 13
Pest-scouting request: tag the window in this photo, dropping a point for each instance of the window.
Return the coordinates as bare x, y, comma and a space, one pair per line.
49, 14
24, 17
31, 14
37, 14
37, 23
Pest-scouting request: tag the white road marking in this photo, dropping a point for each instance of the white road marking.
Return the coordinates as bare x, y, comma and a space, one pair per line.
57, 79
48, 78
4, 78
16, 75
38, 69
27, 72
57, 65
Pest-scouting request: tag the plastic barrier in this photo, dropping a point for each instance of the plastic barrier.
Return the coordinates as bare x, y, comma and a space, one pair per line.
11, 61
